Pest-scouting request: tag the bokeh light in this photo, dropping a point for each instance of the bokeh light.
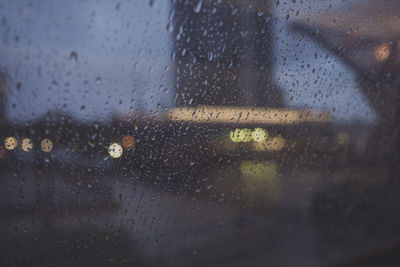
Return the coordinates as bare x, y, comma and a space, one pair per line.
258, 169
259, 135
128, 142
245, 135
274, 144
26, 145
234, 135
382, 52
115, 150
47, 145
10, 143
240, 135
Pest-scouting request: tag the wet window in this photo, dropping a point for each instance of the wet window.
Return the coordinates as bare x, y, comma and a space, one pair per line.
195, 133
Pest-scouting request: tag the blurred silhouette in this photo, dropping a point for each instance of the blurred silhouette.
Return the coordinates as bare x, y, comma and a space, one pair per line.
4, 84
368, 193
377, 65
226, 57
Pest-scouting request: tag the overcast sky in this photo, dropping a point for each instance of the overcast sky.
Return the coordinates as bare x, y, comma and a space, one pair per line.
124, 59
123, 53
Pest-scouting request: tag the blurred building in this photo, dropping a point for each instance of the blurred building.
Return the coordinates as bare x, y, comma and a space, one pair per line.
225, 58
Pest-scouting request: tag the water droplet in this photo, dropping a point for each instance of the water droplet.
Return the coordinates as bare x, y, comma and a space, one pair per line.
73, 55
197, 8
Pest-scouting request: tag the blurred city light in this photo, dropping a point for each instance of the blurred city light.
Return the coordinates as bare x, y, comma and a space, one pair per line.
128, 142
272, 144
234, 135
259, 135
245, 115
10, 143
26, 144
115, 150
245, 135
382, 52
47, 145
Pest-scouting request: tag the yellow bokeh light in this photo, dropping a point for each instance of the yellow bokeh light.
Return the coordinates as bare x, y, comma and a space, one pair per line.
47, 145
240, 135
245, 135
26, 144
259, 135
274, 144
115, 150
10, 143
246, 115
382, 52
234, 135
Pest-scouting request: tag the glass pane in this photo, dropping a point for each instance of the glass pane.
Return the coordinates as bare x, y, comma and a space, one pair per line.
199, 133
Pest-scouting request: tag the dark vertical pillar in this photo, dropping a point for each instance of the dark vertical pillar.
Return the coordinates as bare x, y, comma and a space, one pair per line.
223, 54
4, 83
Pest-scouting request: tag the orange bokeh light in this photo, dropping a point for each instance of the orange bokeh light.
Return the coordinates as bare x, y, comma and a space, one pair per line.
128, 142
382, 52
